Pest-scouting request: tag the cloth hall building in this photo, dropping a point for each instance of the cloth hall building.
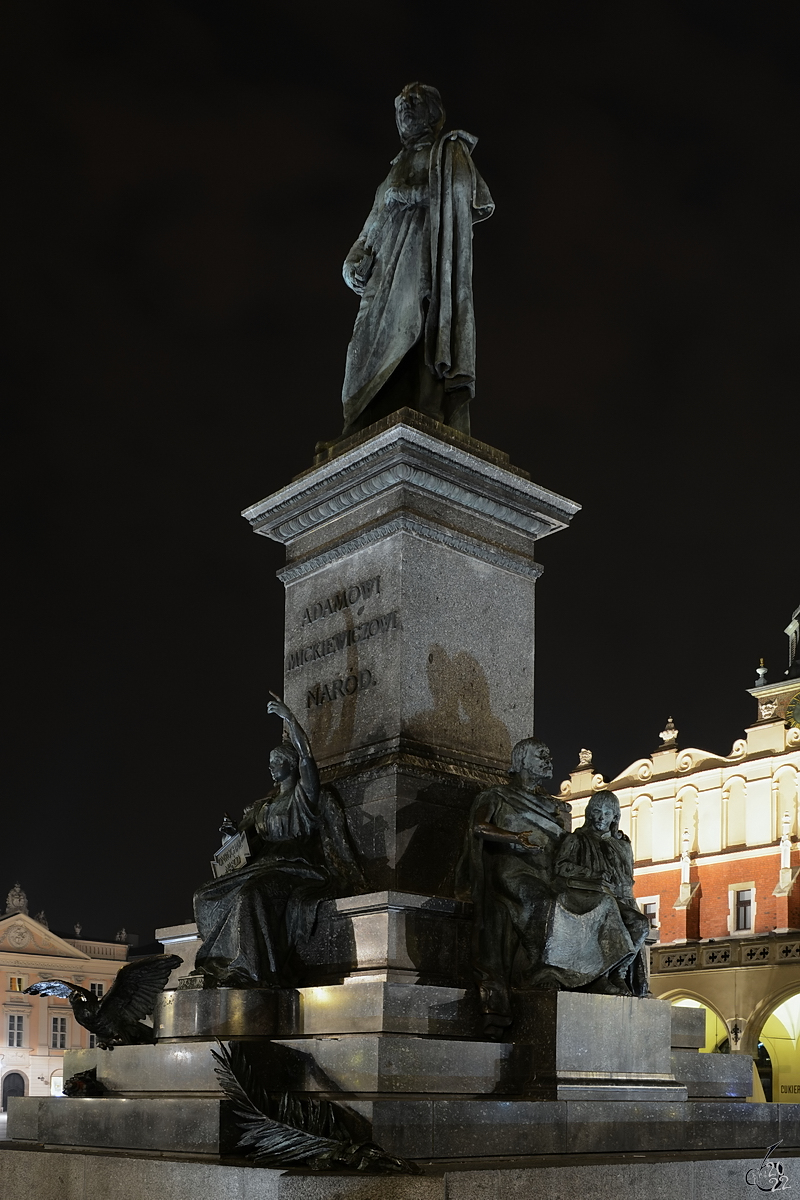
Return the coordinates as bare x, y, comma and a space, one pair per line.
717, 856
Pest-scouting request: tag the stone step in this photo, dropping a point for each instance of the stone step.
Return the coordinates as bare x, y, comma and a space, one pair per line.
425, 1128
720, 1075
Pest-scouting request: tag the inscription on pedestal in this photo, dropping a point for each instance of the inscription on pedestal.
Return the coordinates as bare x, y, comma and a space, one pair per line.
351, 676
342, 639
337, 689
348, 597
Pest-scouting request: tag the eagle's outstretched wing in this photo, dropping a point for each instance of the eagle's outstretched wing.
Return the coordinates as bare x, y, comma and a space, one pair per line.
58, 987
133, 993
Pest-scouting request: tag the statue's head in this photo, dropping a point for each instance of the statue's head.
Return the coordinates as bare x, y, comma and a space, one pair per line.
283, 761
603, 813
531, 759
418, 111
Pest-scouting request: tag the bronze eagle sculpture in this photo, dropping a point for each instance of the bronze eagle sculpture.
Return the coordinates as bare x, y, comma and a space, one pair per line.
116, 1018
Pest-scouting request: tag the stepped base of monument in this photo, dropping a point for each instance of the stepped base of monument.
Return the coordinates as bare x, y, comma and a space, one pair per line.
421, 1127
586, 1074
693, 1175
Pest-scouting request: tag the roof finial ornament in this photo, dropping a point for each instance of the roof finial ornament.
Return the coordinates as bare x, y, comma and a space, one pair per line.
16, 901
584, 760
669, 735
761, 674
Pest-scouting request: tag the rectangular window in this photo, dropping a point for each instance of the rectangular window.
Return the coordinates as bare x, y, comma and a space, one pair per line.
58, 1039
744, 909
15, 1030
97, 989
16, 983
648, 905
92, 1041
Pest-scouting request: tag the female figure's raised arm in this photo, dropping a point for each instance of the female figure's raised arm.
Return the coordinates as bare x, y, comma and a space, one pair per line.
309, 775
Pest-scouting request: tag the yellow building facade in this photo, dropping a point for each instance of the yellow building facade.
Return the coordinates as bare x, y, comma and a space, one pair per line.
36, 1030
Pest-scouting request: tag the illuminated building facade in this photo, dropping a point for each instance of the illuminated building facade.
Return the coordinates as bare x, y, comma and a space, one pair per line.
36, 1030
717, 854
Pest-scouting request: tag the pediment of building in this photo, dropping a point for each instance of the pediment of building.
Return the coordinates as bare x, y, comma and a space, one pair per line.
20, 934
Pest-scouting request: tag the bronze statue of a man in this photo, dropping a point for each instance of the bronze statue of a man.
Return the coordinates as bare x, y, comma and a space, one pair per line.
413, 344
513, 837
551, 908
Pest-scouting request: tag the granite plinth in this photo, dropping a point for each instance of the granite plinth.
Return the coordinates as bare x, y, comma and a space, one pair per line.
723, 1076
360, 1005
409, 634
185, 1124
374, 1006
597, 1047
59, 1175
353, 1063
436, 1127
688, 1027
179, 1068
394, 936
225, 1013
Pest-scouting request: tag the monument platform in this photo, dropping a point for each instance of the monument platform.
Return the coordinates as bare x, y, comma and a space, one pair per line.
409, 650
585, 1074
659, 1175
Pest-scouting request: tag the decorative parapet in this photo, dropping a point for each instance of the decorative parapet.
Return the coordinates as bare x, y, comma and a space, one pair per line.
719, 954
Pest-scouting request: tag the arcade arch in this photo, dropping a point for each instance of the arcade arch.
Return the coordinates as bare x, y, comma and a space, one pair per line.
775, 1024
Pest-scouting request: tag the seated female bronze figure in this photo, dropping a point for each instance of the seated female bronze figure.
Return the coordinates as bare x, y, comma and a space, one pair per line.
253, 920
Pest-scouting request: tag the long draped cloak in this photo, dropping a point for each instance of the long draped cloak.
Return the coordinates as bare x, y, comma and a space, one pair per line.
595, 927
511, 888
252, 919
421, 280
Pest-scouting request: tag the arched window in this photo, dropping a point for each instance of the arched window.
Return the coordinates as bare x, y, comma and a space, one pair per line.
734, 795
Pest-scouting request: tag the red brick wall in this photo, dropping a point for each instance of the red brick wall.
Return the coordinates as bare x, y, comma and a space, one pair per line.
707, 915
666, 885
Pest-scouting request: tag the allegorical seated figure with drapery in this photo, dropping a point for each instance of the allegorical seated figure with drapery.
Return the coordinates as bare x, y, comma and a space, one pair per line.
253, 920
551, 909
596, 932
413, 344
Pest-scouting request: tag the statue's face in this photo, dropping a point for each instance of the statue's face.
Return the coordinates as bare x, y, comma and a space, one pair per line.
413, 116
280, 767
601, 813
538, 762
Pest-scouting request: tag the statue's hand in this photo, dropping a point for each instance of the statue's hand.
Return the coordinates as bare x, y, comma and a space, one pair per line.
357, 269
228, 827
528, 839
276, 708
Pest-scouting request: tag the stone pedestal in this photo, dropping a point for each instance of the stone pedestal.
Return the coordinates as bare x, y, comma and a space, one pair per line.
409, 633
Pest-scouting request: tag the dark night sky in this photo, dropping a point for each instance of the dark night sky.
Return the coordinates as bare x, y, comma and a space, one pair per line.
186, 179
